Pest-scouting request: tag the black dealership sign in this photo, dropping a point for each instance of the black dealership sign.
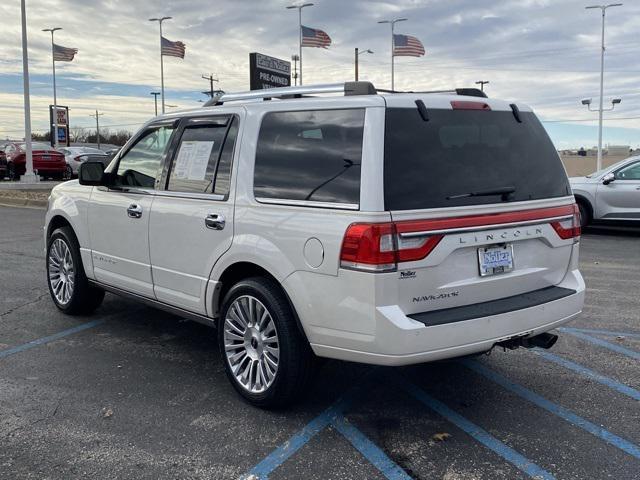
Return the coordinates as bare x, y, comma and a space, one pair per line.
268, 72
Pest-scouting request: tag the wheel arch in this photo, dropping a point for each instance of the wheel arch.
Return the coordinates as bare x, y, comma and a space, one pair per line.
581, 199
241, 270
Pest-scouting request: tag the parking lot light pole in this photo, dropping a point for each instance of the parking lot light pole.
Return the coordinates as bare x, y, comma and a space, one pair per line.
55, 99
29, 176
602, 48
160, 20
155, 100
482, 83
97, 117
300, 7
393, 23
359, 52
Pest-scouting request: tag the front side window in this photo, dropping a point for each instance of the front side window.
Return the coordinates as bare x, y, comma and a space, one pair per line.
630, 172
310, 156
142, 164
196, 160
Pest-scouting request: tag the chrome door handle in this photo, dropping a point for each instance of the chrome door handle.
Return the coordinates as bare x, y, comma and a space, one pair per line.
215, 221
134, 211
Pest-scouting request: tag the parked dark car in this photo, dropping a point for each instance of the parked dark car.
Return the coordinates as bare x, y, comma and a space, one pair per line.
3, 164
47, 162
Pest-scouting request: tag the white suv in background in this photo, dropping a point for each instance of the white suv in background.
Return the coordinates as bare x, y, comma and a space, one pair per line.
386, 229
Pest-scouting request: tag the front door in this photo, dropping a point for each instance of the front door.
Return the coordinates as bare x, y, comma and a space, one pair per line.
119, 215
191, 223
620, 199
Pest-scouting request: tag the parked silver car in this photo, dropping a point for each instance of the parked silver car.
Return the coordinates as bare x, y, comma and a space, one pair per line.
76, 155
612, 193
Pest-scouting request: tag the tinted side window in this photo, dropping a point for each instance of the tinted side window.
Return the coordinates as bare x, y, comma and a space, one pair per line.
223, 175
141, 165
196, 160
310, 155
630, 172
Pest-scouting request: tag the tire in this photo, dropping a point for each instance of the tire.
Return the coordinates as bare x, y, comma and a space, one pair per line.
249, 349
11, 173
68, 173
585, 215
68, 285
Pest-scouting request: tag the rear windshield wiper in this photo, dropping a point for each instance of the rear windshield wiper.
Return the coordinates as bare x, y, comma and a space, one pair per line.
503, 191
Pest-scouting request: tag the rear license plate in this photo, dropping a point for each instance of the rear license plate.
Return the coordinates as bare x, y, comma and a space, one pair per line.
46, 157
495, 259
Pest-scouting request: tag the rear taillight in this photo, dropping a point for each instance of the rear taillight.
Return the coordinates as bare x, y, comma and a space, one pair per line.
569, 228
78, 158
378, 247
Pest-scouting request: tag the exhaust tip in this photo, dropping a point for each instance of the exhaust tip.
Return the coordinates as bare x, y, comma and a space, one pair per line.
544, 340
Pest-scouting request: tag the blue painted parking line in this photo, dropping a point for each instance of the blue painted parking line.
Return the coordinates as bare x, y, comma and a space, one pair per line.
369, 450
56, 336
551, 407
482, 436
603, 343
606, 333
591, 374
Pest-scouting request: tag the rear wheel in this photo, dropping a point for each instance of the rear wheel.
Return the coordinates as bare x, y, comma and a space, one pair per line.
266, 358
68, 173
68, 285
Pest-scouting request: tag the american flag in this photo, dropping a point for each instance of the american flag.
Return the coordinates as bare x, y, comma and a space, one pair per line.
172, 49
312, 37
407, 46
63, 54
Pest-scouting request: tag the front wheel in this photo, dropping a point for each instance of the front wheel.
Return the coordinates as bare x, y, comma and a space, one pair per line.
68, 285
266, 358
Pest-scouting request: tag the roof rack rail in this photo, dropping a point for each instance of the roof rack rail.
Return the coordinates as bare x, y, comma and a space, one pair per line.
468, 92
349, 88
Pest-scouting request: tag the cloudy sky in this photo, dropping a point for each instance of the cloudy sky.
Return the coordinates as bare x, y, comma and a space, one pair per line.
541, 52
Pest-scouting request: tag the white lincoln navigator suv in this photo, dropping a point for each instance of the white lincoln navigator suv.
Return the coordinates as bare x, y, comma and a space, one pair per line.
383, 228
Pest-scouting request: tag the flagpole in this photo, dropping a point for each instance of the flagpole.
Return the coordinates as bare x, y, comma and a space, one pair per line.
160, 20
300, 7
54, 115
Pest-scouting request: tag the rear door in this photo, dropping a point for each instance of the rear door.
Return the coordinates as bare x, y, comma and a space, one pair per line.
191, 223
474, 187
620, 199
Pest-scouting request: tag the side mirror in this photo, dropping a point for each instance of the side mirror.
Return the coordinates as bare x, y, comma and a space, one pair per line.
608, 178
91, 173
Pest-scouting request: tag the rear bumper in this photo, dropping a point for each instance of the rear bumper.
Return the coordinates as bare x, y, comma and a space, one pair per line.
401, 340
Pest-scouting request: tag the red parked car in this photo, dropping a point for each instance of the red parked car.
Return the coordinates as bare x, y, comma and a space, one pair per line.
47, 162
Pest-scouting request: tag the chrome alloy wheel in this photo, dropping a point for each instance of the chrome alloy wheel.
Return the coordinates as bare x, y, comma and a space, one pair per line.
61, 271
251, 344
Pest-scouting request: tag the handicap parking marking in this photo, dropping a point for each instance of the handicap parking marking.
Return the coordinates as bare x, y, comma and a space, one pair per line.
603, 343
548, 405
591, 374
606, 333
51, 338
478, 433
369, 450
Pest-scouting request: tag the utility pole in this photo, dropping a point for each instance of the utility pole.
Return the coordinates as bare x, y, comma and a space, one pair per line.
294, 59
160, 20
357, 55
55, 101
600, 110
482, 83
97, 117
393, 23
300, 7
29, 176
155, 100
211, 80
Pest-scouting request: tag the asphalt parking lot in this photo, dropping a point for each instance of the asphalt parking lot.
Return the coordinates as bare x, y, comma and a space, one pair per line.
132, 392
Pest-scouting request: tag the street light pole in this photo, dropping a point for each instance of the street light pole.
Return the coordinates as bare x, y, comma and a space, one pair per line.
160, 20
29, 176
602, 48
300, 7
357, 55
155, 100
482, 83
55, 100
392, 23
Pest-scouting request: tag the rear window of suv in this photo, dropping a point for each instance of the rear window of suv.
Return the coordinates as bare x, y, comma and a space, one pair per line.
311, 156
442, 162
